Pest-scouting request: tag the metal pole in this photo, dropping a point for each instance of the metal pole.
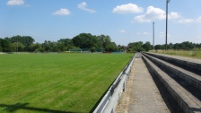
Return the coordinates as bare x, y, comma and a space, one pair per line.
17, 44
153, 35
167, 1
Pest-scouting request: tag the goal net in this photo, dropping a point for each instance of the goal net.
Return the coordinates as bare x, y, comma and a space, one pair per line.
75, 51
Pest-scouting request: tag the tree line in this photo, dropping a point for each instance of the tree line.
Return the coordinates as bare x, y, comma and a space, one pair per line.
186, 45
140, 46
86, 42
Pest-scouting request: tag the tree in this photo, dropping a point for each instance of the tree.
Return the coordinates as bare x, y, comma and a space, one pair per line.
187, 45
121, 48
84, 40
47, 46
17, 47
1, 49
5, 45
61, 46
135, 46
68, 43
147, 46
171, 46
100, 42
37, 47
93, 49
25, 40
157, 47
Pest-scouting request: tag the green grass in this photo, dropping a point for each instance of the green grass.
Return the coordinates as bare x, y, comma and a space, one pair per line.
193, 54
56, 82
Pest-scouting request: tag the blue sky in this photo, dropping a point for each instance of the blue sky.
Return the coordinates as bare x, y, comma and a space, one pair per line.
124, 21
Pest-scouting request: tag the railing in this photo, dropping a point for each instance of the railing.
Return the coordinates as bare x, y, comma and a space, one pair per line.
110, 100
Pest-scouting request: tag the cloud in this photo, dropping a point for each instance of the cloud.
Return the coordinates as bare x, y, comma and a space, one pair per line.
15, 2
184, 20
142, 33
62, 11
152, 13
174, 15
83, 6
122, 31
198, 19
127, 8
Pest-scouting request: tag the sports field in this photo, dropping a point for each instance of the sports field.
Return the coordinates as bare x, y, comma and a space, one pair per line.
56, 83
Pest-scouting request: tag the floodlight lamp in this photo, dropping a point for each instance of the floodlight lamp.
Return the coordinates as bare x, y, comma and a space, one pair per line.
168, 1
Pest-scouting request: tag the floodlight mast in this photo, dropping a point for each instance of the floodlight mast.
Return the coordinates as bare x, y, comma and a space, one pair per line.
167, 1
153, 35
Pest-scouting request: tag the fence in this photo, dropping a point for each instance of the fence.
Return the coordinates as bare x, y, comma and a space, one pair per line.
112, 96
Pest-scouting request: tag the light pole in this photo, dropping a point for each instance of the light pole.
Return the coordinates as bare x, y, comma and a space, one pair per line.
153, 35
17, 44
167, 1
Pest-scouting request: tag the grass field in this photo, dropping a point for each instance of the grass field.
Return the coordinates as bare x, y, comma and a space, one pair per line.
193, 54
56, 83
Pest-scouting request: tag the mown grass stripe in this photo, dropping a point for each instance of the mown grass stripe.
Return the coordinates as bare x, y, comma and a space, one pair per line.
64, 82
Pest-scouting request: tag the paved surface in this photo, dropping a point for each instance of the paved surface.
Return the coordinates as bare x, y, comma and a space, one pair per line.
144, 96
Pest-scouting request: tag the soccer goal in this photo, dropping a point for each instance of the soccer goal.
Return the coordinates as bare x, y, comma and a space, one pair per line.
75, 50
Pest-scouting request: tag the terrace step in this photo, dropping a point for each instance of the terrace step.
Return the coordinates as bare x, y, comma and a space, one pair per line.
188, 76
183, 85
193, 65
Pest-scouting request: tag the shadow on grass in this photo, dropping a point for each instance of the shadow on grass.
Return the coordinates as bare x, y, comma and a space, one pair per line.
23, 106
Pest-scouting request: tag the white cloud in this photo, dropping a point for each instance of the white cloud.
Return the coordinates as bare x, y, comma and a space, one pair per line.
83, 6
127, 8
184, 20
15, 2
122, 31
174, 15
152, 13
198, 19
62, 11
142, 33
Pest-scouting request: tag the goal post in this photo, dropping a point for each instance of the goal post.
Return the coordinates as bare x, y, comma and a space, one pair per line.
78, 50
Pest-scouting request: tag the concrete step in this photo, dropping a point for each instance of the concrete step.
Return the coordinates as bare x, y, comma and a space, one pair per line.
193, 65
178, 72
188, 102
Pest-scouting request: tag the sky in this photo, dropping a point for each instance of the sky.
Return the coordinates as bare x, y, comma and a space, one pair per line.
125, 21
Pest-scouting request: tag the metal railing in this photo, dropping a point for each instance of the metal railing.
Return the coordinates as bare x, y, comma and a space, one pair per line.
110, 100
